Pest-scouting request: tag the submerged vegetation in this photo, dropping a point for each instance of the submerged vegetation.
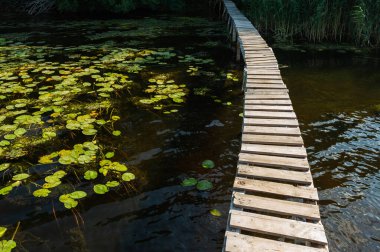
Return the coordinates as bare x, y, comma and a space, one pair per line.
355, 21
62, 115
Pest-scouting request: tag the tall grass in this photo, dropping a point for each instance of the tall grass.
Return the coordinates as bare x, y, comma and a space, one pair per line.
317, 20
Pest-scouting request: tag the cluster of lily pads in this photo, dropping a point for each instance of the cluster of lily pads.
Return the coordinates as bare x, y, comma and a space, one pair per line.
6, 245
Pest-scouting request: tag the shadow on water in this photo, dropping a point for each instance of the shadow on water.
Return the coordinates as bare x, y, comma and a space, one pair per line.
336, 97
157, 213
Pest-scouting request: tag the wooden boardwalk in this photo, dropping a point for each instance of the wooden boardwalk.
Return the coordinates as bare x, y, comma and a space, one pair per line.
274, 203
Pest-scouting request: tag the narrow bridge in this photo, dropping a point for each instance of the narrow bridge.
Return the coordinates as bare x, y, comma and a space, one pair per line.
274, 202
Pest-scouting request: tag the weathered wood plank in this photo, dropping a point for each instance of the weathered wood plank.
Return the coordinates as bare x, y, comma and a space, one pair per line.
236, 242
274, 150
268, 107
265, 86
274, 115
286, 190
268, 130
296, 177
269, 139
270, 122
278, 226
267, 102
299, 164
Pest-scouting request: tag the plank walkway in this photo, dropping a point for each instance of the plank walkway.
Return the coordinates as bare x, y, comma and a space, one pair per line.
274, 202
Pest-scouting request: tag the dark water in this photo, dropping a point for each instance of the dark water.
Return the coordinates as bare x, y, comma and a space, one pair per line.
336, 98
154, 212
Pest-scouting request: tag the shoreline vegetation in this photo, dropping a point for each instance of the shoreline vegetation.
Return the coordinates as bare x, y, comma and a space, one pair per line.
354, 22
316, 21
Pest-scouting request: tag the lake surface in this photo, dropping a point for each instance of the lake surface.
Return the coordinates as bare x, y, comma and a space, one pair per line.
160, 95
336, 97
154, 95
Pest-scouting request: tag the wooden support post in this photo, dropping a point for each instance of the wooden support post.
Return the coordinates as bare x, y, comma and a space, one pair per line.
238, 52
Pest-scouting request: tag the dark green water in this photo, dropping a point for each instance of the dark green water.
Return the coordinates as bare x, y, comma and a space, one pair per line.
336, 98
162, 143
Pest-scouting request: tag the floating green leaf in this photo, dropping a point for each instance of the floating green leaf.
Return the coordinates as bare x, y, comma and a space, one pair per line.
112, 183
189, 182
2, 231
20, 176
208, 164
204, 185
78, 195
116, 132
41, 192
100, 189
90, 174
19, 132
4, 166
128, 176
6, 190
110, 154
7, 245
216, 212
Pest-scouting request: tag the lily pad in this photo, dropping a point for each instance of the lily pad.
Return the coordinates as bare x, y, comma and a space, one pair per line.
2, 231
4, 166
100, 189
21, 176
112, 184
189, 182
110, 154
116, 132
128, 176
78, 194
90, 174
208, 164
41, 193
216, 212
204, 185
7, 245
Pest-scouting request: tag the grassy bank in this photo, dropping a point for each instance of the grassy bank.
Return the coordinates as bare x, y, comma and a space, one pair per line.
355, 21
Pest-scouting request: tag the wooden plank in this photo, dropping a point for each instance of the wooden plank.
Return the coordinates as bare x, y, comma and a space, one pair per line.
274, 115
270, 122
268, 130
253, 80
274, 150
267, 96
265, 224
250, 95
266, 86
267, 102
286, 190
268, 107
236, 242
276, 206
299, 164
296, 177
269, 139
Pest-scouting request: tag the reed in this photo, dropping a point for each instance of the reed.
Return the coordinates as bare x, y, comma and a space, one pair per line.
355, 21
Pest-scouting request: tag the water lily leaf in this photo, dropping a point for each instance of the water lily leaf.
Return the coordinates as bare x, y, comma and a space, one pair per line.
89, 132
10, 136
90, 174
60, 174
20, 176
189, 182
5, 191
2, 231
208, 164
78, 194
4, 166
128, 176
19, 132
112, 183
51, 185
66, 160
216, 212
110, 154
49, 134
101, 122
4, 143
51, 179
45, 160
7, 245
41, 193
204, 185
116, 132
115, 118
100, 189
